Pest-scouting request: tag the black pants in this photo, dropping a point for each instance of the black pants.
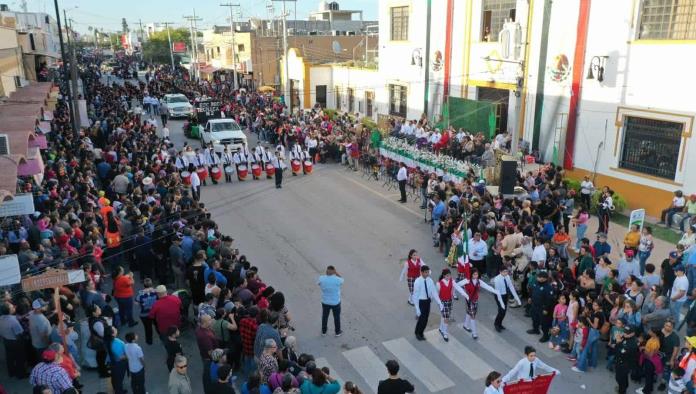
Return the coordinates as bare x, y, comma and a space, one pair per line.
164, 119
402, 189
585, 200
603, 217
279, 177
147, 323
118, 373
101, 363
16, 358
480, 265
196, 193
138, 382
424, 306
325, 309
621, 376
502, 309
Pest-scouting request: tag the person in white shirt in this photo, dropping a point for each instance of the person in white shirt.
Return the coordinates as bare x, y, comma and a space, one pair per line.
434, 138
136, 363
586, 190
494, 383
402, 177
539, 253
470, 289
528, 368
227, 161
195, 183
678, 294
478, 250
181, 162
504, 286
213, 161
278, 163
678, 203
424, 291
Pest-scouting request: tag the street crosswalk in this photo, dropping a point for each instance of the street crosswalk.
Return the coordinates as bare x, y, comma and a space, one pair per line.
435, 365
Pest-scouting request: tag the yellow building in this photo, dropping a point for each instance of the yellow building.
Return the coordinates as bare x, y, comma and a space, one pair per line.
218, 52
11, 67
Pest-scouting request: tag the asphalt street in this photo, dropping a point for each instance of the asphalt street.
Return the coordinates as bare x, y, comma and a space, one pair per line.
335, 217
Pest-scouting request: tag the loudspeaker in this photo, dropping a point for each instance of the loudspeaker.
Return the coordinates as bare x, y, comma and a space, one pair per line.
508, 176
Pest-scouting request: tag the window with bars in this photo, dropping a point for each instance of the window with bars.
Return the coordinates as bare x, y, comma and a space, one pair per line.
369, 103
337, 89
651, 146
397, 100
495, 12
399, 23
667, 20
351, 94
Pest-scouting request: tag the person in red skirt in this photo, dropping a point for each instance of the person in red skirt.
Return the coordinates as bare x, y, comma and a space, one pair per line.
471, 288
445, 287
411, 271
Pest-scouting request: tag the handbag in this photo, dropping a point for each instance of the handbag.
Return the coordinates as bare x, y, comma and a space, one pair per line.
95, 343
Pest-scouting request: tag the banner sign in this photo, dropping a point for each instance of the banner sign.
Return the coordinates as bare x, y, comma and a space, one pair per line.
538, 385
21, 204
637, 218
208, 110
178, 47
9, 270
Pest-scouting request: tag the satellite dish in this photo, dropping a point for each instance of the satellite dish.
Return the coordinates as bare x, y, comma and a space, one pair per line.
336, 47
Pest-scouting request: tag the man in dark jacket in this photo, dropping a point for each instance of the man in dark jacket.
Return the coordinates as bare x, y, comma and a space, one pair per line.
542, 302
626, 357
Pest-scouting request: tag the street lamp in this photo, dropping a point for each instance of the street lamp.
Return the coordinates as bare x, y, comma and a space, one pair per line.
597, 64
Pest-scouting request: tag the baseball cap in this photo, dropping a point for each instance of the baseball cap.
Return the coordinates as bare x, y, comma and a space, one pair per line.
50, 355
630, 253
38, 303
161, 289
673, 254
601, 235
679, 267
628, 329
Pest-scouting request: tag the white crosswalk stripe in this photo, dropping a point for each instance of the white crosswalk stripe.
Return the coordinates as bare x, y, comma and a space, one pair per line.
496, 345
422, 368
322, 362
468, 362
367, 364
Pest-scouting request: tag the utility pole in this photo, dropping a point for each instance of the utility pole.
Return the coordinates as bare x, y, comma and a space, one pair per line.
233, 50
66, 78
73, 73
169, 38
141, 35
194, 42
286, 74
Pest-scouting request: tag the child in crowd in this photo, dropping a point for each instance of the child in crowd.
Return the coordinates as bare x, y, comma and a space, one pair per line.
560, 324
676, 382
651, 278
580, 340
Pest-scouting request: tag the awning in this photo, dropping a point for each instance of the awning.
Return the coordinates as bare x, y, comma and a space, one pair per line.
38, 140
30, 167
8, 176
44, 127
208, 69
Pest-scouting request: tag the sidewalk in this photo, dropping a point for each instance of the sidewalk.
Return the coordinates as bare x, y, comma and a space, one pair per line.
615, 238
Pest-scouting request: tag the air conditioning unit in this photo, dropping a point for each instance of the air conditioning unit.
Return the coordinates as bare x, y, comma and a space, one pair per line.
4, 144
510, 39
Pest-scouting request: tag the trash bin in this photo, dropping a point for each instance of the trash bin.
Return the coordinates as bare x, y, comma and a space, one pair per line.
196, 131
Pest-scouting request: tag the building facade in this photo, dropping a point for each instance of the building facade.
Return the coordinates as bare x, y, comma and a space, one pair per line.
593, 86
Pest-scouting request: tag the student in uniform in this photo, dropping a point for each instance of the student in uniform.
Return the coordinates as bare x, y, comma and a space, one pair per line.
195, 183
424, 291
181, 162
278, 163
470, 289
227, 161
213, 160
411, 270
528, 367
445, 288
494, 383
504, 286
240, 159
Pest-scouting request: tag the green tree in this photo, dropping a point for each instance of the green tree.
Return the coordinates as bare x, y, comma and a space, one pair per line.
156, 49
